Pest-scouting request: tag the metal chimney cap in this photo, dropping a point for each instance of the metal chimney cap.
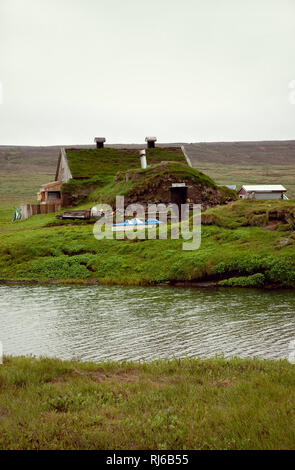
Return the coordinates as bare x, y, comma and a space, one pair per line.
99, 139
151, 139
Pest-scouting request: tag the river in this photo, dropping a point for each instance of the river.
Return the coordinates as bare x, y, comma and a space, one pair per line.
100, 323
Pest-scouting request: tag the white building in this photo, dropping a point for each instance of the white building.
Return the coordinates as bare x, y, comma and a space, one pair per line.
263, 191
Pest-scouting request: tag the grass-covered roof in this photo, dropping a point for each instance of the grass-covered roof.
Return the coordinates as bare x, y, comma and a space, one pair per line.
106, 162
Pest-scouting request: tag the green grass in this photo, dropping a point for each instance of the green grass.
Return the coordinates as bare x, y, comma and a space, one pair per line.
178, 404
251, 212
180, 169
35, 250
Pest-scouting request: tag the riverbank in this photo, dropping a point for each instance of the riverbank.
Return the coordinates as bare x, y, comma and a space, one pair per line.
180, 284
234, 251
179, 404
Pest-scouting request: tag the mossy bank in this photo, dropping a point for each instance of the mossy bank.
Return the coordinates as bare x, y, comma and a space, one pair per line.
232, 251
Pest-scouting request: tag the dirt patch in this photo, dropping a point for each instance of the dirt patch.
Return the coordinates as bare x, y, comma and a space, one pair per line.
69, 224
273, 225
223, 383
3, 412
190, 283
100, 376
131, 377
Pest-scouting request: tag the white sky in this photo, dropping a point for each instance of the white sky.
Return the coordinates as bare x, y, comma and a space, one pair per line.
183, 70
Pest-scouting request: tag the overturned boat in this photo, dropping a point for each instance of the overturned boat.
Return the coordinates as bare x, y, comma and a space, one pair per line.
135, 223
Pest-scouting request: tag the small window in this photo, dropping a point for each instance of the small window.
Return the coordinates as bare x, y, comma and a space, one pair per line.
54, 195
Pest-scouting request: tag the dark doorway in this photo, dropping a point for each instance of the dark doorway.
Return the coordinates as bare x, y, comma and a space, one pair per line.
178, 193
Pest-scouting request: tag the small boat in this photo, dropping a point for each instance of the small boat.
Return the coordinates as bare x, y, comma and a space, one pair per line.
138, 223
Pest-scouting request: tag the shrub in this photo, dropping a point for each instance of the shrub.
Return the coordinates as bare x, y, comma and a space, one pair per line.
60, 267
256, 280
258, 220
282, 270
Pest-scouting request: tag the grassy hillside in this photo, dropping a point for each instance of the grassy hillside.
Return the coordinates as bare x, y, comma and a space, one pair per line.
270, 215
178, 404
153, 185
42, 248
240, 163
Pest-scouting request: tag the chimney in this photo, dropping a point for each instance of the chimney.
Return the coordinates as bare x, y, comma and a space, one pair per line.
99, 142
151, 142
142, 159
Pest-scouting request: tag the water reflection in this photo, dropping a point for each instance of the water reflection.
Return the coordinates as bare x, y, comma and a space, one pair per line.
98, 322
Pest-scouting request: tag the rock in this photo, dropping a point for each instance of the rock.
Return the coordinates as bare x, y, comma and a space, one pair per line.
284, 242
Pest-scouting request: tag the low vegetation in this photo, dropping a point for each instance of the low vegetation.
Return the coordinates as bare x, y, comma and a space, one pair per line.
177, 404
267, 214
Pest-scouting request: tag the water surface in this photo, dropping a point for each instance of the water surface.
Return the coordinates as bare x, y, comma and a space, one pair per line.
99, 323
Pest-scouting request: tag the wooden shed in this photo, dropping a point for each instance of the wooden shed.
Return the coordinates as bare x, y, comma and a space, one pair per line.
50, 193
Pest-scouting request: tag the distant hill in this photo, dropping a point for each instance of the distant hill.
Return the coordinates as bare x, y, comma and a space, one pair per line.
246, 162
23, 169
252, 153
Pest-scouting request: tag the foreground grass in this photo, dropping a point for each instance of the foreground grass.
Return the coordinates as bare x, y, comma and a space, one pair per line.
179, 404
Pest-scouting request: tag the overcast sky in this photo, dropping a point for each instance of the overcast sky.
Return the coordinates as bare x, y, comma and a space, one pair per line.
183, 70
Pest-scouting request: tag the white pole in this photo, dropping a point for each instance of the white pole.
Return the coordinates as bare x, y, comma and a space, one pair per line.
142, 159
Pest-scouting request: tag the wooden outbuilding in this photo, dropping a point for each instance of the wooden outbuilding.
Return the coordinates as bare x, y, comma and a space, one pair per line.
50, 193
